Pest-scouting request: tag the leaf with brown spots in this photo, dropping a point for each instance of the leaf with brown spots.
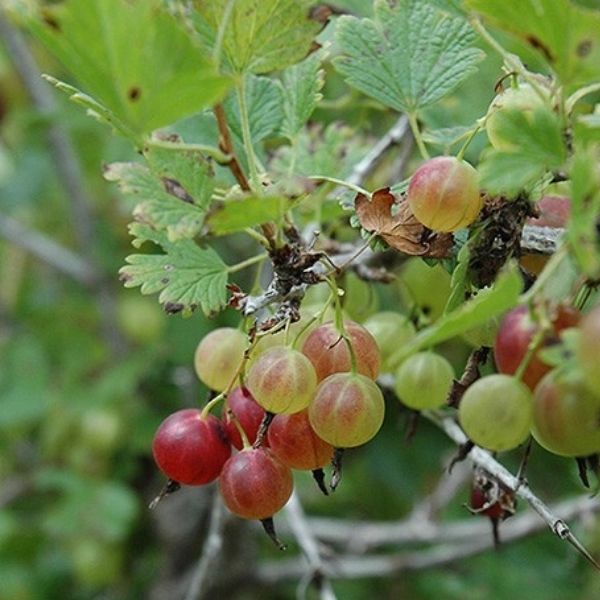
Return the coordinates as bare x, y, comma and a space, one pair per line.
400, 230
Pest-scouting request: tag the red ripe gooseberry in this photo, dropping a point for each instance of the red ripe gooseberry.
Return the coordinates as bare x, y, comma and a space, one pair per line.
329, 353
255, 484
516, 331
191, 448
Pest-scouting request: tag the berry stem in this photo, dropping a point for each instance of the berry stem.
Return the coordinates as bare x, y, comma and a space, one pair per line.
211, 404
246, 263
414, 126
339, 323
461, 152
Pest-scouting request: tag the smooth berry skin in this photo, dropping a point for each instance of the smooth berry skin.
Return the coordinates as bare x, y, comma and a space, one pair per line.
295, 443
347, 411
588, 349
248, 413
254, 484
443, 194
282, 380
516, 332
566, 415
191, 449
329, 354
218, 357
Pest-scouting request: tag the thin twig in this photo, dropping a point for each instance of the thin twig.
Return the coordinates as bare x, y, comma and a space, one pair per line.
46, 249
309, 545
485, 460
226, 146
447, 549
395, 135
205, 571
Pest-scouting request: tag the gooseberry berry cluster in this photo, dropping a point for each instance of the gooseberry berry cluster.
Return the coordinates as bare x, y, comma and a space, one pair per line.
294, 410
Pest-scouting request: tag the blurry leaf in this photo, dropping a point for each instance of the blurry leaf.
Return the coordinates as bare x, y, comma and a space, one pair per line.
174, 196
24, 383
566, 35
235, 215
536, 146
131, 57
582, 233
187, 276
400, 231
259, 36
332, 152
490, 302
302, 85
265, 110
409, 56
104, 510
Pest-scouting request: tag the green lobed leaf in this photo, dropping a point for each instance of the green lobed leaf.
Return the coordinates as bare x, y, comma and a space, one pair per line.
409, 56
536, 146
172, 195
332, 152
566, 35
236, 215
489, 303
131, 57
265, 109
187, 275
302, 85
258, 36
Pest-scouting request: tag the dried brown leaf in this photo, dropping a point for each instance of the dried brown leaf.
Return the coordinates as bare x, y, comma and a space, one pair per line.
401, 230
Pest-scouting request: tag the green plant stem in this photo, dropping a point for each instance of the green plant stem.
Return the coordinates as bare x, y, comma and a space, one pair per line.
316, 317
246, 263
414, 126
211, 151
211, 404
247, 136
261, 239
339, 324
461, 152
511, 61
342, 183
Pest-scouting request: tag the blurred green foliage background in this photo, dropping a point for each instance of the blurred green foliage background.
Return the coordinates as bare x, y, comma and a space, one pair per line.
88, 370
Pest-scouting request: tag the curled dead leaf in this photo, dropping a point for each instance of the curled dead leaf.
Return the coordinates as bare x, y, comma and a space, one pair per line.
401, 230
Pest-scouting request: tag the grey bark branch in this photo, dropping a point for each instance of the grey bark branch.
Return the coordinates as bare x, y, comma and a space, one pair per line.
485, 460
49, 251
395, 135
309, 545
446, 551
204, 573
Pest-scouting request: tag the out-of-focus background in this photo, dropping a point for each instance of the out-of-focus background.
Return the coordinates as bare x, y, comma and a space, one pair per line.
89, 369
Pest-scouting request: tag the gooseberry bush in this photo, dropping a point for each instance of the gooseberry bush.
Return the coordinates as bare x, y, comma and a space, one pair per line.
423, 258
